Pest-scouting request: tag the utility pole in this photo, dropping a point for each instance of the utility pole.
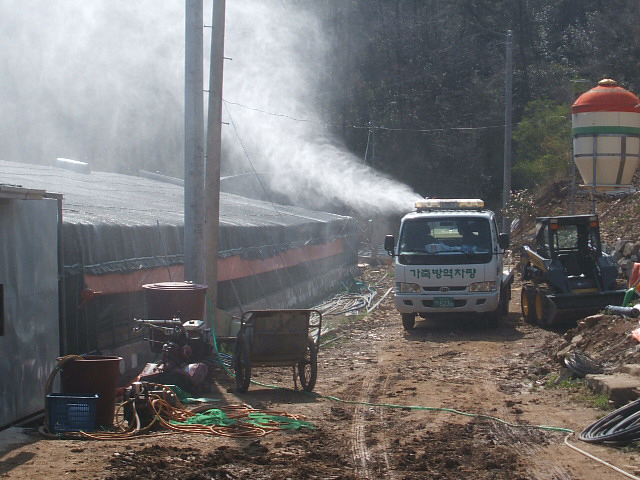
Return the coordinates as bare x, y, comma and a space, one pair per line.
194, 266
214, 148
506, 186
572, 190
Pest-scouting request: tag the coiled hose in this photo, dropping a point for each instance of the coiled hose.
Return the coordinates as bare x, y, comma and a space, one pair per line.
581, 364
621, 426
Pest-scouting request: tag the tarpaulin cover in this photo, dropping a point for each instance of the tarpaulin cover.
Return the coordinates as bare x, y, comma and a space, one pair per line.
123, 223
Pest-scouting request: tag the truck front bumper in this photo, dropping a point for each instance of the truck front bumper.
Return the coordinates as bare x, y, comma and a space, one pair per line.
471, 302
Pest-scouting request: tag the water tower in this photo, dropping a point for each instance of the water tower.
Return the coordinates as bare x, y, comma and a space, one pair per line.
606, 136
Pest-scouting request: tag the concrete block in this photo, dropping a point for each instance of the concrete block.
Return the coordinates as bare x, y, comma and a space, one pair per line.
632, 369
621, 388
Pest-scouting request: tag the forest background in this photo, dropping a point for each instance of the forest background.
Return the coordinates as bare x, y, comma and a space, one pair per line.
428, 77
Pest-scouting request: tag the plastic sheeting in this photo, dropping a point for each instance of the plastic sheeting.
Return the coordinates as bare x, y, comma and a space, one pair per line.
122, 223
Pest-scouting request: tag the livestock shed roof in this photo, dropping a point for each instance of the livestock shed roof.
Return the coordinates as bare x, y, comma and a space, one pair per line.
115, 222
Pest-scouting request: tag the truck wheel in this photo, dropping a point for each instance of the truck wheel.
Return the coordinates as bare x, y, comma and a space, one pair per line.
496, 318
527, 303
408, 321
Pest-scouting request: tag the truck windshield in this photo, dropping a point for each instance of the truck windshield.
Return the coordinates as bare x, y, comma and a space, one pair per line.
445, 240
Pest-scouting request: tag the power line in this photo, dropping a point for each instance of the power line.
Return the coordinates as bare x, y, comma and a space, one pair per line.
362, 127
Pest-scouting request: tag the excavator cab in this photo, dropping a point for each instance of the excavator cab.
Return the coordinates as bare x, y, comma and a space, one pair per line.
565, 272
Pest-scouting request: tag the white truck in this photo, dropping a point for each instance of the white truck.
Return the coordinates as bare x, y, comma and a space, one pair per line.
449, 260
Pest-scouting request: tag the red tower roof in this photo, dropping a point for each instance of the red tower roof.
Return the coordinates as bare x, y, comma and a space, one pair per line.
606, 97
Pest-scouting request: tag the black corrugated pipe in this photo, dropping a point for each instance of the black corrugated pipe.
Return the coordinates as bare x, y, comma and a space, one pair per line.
621, 426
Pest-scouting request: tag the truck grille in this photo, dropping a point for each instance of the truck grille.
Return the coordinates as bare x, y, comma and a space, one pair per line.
437, 289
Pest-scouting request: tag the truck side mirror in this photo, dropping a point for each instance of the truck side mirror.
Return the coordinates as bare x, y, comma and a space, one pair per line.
503, 240
389, 244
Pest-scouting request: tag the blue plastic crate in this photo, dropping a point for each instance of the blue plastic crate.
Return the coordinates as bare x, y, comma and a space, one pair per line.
72, 413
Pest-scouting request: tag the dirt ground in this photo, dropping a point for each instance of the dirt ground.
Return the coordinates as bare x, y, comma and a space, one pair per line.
448, 400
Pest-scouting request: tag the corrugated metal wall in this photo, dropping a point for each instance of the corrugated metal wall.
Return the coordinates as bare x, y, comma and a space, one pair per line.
29, 341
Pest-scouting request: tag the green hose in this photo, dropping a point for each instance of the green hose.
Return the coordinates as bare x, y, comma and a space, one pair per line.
448, 410
213, 335
386, 405
628, 297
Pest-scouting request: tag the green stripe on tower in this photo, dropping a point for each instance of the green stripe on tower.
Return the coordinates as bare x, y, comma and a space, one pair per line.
604, 129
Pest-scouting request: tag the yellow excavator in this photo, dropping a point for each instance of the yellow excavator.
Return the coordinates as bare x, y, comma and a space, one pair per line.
565, 273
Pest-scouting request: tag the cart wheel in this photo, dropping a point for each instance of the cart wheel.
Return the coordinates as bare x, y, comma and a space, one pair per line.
308, 367
242, 367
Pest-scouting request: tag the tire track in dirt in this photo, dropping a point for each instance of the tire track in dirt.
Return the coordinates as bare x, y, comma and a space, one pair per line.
360, 452
508, 411
384, 443
371, 462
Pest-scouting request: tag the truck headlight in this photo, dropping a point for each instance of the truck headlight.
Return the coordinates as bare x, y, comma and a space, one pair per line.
407, 287
483, 287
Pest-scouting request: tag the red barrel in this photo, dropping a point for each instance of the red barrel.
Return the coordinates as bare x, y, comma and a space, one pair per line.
168, 300
94, 374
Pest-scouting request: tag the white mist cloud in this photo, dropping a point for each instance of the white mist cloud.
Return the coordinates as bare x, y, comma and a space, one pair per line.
103, 81
280, 60
98, 80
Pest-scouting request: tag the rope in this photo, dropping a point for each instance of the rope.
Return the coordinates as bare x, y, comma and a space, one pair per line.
235, 421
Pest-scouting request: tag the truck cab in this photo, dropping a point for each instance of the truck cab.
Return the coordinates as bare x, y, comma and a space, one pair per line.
448, 260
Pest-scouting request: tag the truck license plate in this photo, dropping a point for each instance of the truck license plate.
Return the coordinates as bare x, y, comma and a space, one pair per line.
443, 302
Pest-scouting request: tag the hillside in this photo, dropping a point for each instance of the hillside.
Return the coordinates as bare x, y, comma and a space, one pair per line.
619, 214
605, 338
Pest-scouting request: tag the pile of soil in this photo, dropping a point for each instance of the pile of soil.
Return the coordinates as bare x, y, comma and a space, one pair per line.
296, 456
605, 338
479, 449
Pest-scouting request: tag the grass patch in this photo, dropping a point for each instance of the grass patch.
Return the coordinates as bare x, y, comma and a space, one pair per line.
631, 448
579, 392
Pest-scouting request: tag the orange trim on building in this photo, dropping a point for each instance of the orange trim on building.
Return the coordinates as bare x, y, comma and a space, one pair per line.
235, 267
230, 268
111, 283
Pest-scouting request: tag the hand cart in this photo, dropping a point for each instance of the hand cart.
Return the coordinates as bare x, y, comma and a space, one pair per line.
278, 338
